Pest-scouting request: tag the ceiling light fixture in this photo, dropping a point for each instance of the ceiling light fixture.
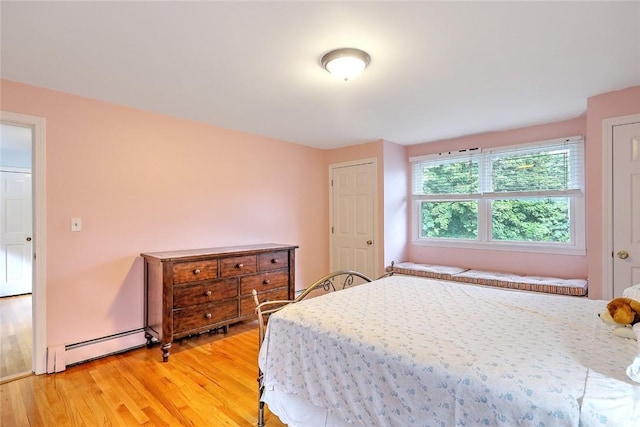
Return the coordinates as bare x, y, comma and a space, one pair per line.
345, 63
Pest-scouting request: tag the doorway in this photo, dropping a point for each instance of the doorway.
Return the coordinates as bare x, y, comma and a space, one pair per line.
16, 349
18, 158
621, 190
353, 216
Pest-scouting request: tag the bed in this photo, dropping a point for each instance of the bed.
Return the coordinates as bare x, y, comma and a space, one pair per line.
409, 351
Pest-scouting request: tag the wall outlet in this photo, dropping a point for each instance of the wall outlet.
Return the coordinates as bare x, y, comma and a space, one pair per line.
76, 224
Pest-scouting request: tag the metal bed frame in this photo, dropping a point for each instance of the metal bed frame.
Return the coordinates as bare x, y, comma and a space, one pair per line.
338, 280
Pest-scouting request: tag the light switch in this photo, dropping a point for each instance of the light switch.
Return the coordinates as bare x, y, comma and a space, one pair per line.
76, 224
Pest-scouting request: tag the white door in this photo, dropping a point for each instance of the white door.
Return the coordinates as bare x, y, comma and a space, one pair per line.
353, 218
15, 233
626, 206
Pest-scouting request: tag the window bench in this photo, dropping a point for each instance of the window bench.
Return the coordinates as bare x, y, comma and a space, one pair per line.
551, 285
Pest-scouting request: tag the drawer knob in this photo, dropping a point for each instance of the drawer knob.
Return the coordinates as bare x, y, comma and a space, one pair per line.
196, 271
239, 265
266, 281
207, 293
207, 316
274, 261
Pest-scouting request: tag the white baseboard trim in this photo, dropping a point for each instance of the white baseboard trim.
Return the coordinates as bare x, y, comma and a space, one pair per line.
59, 357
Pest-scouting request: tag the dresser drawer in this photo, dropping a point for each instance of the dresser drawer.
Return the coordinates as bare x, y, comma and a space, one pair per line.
184, 272
236, 266
248, 305
201, 293
200, 316
264, 282
273, 260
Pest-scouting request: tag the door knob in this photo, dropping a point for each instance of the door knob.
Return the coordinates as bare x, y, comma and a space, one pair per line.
622, 254
369, 242
28, 239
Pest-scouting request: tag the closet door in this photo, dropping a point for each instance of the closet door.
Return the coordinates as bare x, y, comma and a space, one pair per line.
626, 206
353, 204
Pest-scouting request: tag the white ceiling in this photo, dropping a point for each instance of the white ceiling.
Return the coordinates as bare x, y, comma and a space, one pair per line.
438, 69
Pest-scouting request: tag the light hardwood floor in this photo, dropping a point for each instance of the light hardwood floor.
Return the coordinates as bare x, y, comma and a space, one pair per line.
15, 336
210, 380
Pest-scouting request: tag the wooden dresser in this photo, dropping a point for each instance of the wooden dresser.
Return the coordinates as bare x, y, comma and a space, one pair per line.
193, 291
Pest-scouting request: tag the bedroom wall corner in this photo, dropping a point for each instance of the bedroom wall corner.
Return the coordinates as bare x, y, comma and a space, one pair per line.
396, 202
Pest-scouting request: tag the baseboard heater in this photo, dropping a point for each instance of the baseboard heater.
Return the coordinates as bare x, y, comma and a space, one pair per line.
61, 356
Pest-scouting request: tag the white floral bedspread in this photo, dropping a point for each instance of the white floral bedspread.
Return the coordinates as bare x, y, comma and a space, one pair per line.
408, 351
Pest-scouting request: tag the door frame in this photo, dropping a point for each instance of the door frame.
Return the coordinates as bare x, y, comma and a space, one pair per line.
374, 162
607, 199
38, 174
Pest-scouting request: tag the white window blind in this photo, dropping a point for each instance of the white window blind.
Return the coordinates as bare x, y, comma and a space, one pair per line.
545, 169
524, 197
504, 172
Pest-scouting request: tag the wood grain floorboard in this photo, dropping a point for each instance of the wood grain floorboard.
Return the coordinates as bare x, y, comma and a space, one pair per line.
15, 336
210, 380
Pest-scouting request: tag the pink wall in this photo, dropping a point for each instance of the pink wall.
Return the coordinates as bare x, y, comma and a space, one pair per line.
146, 182
516, 262
396, 202
600, 107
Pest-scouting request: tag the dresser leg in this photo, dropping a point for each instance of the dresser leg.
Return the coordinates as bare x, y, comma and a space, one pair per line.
220, 330
165, 351
149, 338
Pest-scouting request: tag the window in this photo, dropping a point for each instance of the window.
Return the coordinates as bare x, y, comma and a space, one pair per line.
528, 197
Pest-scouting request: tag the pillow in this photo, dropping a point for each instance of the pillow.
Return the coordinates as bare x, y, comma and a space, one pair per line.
633, 370
632, 292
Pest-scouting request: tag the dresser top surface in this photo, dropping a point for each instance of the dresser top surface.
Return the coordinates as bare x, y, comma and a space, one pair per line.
219, 251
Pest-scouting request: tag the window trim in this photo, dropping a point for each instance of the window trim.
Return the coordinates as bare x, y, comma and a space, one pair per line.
576, 206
